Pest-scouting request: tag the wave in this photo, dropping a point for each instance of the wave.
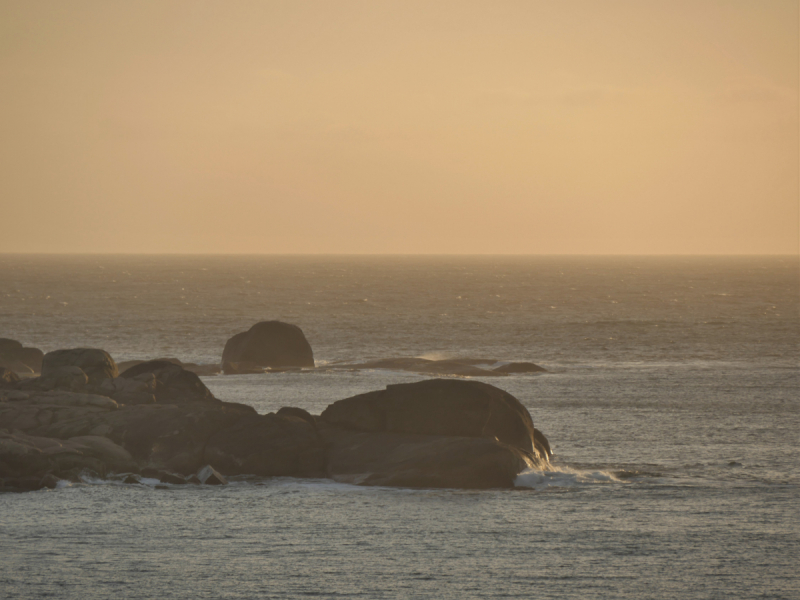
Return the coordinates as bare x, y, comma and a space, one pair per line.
564, 477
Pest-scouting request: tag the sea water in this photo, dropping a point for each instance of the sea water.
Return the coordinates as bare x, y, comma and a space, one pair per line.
671, 402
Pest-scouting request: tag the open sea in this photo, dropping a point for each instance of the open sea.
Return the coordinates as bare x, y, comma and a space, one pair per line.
672, 405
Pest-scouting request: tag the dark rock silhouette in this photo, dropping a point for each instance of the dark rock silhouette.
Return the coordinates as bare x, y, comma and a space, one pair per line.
434, 433
267, 344
450, 407
193, 367
171, 383
9, 348
268, 445
18, 358
299, 413
421, 461
25, 459
97, 364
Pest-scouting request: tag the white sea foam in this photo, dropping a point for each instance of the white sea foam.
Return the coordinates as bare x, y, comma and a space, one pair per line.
438, 355
563, 477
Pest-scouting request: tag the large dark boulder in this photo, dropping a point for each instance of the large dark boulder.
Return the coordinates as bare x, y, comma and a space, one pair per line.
31, 457
421, 461
172, 383
163, 436
14, 356
268, 344
434, 433
448, 407
9, 349
97, 364
268, 445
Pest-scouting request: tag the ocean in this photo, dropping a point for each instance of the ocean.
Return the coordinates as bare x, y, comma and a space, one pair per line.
671, 403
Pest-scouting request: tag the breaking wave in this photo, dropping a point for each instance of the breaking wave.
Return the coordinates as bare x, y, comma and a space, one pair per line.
563, 477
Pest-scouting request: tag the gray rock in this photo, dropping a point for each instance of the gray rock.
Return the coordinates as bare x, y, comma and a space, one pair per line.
97, 364
69, 378
32, 357
268, 445
9, 348
14, 353
171, 383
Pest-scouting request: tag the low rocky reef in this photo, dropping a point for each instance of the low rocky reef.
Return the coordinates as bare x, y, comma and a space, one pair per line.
276, 347
157, 419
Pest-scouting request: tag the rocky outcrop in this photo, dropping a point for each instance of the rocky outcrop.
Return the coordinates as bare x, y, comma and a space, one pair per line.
159, 418
421, 461
435, 433
449, 407
18, 358
170, 382
267, 344
168, 436
24, 458
97, 364
268, 445
195, 368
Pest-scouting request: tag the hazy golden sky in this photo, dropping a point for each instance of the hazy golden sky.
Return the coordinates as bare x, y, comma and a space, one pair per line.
399, 127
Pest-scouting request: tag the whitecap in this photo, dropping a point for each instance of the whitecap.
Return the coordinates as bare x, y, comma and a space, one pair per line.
563, 477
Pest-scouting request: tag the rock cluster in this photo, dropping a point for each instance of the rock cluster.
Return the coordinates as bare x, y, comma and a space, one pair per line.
19, 359
159, 420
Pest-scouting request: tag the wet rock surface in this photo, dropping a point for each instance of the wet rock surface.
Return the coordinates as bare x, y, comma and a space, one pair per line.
171, 383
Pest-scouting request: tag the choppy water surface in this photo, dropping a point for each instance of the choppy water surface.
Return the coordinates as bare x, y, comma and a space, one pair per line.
672, 407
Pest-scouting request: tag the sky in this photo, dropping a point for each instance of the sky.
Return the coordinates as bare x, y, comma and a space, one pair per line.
433, 127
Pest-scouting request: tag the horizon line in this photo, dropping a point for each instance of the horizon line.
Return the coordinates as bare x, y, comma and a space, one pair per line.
412, 254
